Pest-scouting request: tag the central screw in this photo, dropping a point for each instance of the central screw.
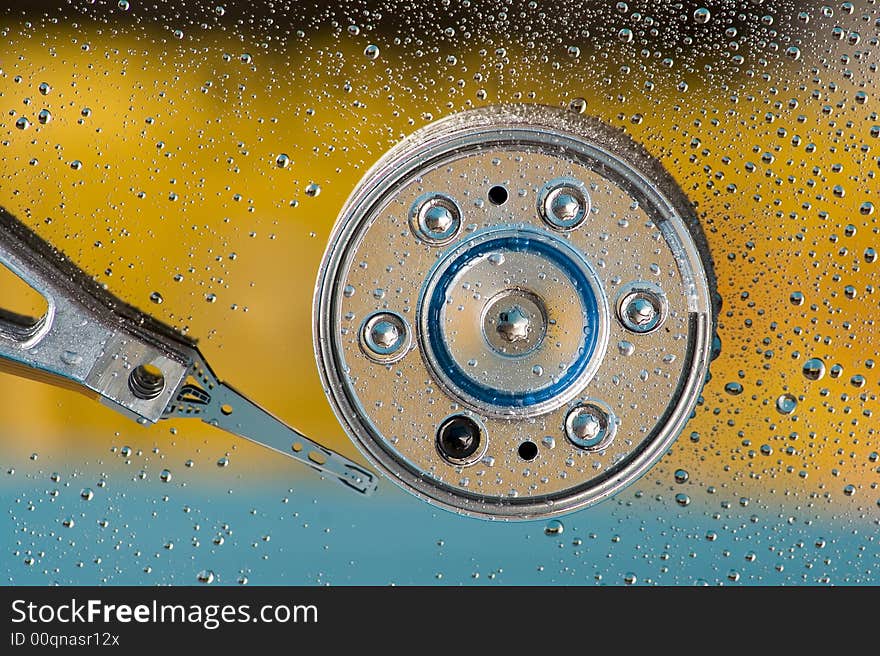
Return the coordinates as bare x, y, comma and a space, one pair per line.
514, 324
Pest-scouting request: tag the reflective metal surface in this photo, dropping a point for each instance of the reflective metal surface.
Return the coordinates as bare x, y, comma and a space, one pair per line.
90, 341
562, 337
192, 158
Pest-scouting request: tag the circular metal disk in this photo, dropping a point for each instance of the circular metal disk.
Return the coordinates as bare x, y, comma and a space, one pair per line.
557, 288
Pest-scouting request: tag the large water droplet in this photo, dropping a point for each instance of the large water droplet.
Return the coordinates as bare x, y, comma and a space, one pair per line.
786, 404
814, 369
554, 527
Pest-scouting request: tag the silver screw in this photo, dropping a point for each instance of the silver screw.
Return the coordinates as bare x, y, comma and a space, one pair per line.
589, 427
438, 219
642, 308
384, 336
565, 204
435, 218
514, 324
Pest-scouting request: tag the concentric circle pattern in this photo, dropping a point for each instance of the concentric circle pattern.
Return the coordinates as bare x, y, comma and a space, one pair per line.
516, 317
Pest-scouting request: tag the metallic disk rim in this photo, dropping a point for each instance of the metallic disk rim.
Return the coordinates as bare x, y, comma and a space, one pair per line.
621, 160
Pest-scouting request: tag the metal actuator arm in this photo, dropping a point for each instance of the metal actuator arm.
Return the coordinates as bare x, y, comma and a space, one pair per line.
90, 340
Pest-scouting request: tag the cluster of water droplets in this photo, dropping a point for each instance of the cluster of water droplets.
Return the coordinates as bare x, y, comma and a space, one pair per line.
186, 161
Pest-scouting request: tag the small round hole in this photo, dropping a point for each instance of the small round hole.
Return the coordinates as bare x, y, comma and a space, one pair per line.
528, 450
498, 195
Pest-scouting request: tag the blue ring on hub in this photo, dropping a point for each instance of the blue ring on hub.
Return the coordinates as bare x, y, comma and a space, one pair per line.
492, 395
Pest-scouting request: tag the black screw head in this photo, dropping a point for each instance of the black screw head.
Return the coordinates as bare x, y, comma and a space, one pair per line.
458, 438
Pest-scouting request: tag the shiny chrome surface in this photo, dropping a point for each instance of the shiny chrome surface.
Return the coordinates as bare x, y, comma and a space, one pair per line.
90, 340
556, 403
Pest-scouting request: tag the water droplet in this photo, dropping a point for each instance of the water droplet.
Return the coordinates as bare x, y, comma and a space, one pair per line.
681, 475
282, 161
554, 527
786, 404
733, 388
702, 16
44, 116
156, 298
86, 494
206, 576
44, 88
313, 190
165, 476
625, 347
814, 369
578, 105
497, 259
71, 357
371, 51
22, 123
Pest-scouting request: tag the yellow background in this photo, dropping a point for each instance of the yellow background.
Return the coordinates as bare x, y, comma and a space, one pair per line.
178, 176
